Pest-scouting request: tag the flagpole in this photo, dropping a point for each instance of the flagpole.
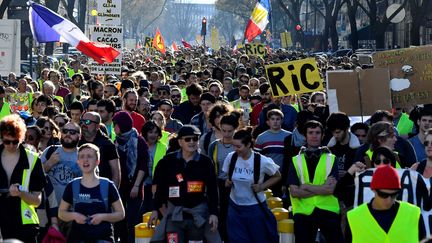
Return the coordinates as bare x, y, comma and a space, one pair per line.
272, 30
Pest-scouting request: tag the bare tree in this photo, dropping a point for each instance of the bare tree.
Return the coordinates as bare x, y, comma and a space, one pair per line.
241, 8
418, 10
352, 7
378, 21
3, 6
292, 9
228, 24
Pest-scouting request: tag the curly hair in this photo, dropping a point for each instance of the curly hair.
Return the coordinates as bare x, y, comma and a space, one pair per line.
219, 109
14, 126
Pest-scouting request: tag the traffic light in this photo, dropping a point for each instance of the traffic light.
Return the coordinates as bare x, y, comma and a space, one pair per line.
204, 26
298, 28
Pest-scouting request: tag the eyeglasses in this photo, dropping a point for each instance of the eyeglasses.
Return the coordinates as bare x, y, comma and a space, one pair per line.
427, 143
188, 139
385, 195
384, 161
70, 131
8, 142
176, 96
86, 122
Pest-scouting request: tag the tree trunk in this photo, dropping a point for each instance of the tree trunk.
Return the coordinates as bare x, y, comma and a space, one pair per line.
352, 12
415, 33
3, 6
380, 39
82, 14
334, 35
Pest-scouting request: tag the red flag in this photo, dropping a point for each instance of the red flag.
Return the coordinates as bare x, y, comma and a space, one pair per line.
174, 46
158, 42
185, 44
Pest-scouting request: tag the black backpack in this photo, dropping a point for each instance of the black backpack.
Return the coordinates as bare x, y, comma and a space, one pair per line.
257, 170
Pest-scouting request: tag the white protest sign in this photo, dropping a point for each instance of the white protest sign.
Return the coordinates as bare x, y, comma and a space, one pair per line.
112, 36
415, 189
10, 46
109, 12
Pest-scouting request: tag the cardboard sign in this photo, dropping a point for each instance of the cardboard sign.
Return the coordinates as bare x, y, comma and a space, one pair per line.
286, 40
109, 12
415, 189
410, 74
19, 101
148, 41
296, 77
256, 49
215, 43
112, 36
358, 93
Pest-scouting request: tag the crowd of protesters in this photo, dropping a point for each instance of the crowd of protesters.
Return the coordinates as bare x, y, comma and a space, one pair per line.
196, 138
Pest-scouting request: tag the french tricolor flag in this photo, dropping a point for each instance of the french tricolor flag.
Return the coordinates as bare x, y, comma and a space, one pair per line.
48, 26
259, 19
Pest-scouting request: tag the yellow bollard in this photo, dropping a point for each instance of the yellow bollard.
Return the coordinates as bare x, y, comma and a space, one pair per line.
146, 217
274, 202
286, 231
268, 193
280, 213
143, 234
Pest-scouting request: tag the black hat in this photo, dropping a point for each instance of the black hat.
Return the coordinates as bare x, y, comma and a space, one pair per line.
188, 130
127, 84
209, 97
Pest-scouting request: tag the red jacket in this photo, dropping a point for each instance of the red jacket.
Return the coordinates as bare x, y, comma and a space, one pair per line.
254, 115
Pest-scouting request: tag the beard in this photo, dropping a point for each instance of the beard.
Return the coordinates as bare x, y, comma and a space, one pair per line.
69, 145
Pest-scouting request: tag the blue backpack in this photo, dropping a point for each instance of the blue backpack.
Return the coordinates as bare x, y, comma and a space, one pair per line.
103, 185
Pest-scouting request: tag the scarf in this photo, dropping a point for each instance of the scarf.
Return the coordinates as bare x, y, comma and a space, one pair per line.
128, 143
298, 139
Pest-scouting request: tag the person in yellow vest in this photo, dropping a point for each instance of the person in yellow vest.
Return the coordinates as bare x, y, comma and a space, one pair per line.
106, 110
312, 179
75, 65
152, 133
4, 106
21, 182
384, 219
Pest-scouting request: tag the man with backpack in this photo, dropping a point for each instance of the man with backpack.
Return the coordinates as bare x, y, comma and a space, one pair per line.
91, 202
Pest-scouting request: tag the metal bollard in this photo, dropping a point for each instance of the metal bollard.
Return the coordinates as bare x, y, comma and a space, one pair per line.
143, 234
280, 213
286, 231
274, 202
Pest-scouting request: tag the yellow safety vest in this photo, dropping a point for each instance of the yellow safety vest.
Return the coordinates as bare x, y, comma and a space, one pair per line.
325, 202
369, 153
5, 110
405, 125
365, 228
236, 104
165, 137
71, 72
160, 152
28, 212
111, 132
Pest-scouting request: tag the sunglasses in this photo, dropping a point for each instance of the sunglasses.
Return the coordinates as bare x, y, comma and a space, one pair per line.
86, 121
70, 131
175, 96
384, 161
188, 139
8, 142
385, 195
427, 143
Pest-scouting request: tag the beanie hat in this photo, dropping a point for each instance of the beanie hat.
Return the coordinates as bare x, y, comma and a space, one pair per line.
123, 120
385, 177
188, 130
